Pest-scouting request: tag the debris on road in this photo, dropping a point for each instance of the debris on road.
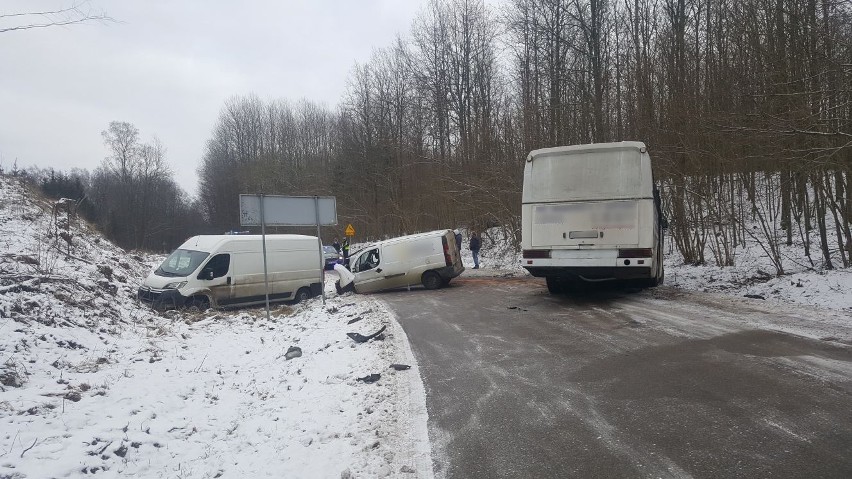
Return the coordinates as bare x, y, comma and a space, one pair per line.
359, 338
371, 378
293, 352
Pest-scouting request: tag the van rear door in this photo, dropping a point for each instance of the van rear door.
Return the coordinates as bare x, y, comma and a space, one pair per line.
452, 250
598, 224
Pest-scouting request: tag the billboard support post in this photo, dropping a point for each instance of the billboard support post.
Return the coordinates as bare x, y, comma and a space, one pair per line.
263, 241
321, 254
277, 210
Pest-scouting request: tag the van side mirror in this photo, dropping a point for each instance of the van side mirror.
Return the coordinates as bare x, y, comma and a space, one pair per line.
206, 273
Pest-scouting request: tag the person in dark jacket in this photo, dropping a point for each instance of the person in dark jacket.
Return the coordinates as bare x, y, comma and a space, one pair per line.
458, 240
336, 245
475, 243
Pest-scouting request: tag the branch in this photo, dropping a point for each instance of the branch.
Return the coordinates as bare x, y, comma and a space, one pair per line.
52, 12
73, 15
31, 446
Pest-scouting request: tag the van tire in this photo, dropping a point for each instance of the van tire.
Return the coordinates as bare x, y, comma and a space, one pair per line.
198, 303
302, 295
431, 280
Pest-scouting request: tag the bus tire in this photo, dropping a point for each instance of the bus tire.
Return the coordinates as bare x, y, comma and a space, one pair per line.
555, 285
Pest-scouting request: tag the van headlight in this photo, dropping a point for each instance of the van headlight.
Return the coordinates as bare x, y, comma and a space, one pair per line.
176, 285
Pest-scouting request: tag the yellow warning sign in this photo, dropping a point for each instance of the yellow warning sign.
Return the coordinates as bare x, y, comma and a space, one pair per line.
350, 231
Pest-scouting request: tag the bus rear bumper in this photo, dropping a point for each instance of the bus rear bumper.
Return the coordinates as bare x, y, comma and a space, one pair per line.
591, 273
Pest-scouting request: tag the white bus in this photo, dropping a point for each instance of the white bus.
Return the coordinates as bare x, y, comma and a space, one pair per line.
591, 213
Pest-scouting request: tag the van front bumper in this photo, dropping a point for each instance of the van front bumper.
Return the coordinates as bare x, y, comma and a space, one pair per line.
160, 299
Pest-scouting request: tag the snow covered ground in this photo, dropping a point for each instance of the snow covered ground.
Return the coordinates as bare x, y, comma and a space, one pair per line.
92, 383
752, 275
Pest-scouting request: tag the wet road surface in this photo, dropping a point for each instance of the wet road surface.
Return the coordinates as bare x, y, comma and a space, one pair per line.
628, 383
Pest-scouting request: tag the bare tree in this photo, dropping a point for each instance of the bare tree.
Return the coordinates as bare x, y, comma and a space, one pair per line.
133, 186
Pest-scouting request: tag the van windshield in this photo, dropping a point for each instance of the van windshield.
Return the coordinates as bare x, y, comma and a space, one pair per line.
181, 263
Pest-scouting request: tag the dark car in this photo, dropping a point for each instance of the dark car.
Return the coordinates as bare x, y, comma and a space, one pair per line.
331, 256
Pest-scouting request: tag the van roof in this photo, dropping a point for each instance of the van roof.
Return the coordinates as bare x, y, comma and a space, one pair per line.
400, 239
618, 145
211, 242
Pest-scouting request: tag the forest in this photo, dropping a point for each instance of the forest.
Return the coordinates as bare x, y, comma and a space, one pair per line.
745, 105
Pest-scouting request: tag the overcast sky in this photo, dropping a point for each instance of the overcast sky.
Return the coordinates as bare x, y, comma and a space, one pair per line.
167, 67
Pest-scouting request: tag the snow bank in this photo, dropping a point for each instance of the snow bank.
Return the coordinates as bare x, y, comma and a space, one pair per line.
94, 383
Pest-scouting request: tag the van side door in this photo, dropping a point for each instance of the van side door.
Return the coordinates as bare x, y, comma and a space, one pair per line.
368, 271
216, 276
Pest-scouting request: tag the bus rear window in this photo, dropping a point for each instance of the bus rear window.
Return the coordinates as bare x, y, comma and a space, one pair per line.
586, 176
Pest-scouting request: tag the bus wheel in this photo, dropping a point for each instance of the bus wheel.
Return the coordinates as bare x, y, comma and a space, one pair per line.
555, 285
431, 280
302, 295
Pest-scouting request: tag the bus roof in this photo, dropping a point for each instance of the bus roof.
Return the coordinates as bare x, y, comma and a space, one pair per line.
563, 150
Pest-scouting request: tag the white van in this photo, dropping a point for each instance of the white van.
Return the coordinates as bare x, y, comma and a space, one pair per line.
227, 270
591, 213
431, 259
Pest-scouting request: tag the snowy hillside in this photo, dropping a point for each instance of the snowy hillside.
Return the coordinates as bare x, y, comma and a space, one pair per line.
92, 383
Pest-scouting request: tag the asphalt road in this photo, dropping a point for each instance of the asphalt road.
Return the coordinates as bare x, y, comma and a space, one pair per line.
656, 383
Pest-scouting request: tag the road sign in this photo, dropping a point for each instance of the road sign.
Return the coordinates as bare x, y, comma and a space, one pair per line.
288, 210
350, 231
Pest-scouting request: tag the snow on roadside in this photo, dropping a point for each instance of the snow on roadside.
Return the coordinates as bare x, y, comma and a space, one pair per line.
498, 254
217, 396
751, 275
94, 383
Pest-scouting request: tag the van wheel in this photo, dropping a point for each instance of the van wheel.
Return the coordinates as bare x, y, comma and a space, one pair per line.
198, 303
302, 295
431, 280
